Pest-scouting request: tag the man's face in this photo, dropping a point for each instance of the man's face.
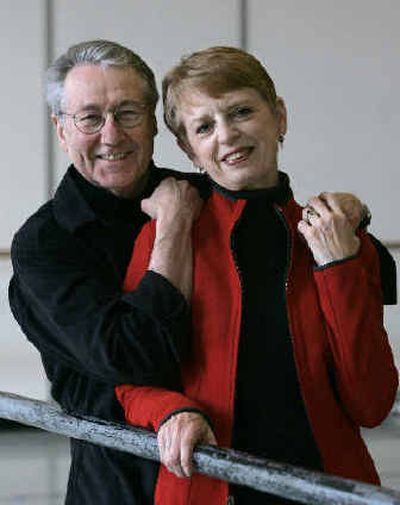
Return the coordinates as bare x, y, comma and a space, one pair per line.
114, 158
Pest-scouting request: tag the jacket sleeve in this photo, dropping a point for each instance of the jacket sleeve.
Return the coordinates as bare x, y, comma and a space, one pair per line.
351, 299
149, 407
76, 313
387, 270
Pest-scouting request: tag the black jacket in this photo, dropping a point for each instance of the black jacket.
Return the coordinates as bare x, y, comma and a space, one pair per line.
69, 263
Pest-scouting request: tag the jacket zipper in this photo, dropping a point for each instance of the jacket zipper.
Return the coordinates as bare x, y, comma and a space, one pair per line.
288, 267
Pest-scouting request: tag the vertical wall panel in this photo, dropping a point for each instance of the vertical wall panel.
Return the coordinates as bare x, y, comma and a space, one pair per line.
337, 65
23, 170
22, 130
159, 31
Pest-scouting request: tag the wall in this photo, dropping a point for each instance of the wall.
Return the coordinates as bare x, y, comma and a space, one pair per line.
335, 63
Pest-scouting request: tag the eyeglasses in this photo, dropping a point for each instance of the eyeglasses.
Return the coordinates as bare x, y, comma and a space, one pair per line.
92, 121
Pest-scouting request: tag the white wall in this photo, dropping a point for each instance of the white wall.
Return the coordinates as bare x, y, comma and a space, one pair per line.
335, 63
22, 125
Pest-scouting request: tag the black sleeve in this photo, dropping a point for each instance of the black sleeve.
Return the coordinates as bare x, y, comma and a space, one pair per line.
73, 313
388, 272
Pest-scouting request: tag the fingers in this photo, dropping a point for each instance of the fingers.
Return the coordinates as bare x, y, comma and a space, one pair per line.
328, 232
177, 439
173, 198
346, 203
308, 213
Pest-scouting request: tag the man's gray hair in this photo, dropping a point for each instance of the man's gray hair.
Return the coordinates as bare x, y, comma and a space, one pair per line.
96, 52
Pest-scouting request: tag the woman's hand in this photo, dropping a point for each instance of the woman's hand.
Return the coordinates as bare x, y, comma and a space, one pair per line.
328, 231
177, 438
351, 206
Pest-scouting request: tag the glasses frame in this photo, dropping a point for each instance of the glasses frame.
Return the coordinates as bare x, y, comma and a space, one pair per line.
143, 109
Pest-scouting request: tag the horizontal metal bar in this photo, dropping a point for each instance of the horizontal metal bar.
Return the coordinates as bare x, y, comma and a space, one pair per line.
287, 481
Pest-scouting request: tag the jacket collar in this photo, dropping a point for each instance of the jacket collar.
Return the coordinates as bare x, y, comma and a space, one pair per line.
279, 194
77, 202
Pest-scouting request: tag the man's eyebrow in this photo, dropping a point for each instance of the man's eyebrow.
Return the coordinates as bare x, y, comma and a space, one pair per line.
131, 102
123, 103
89, 106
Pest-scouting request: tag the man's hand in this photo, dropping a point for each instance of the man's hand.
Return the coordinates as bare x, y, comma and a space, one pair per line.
173, 201
175, 205
329, 233
177, 439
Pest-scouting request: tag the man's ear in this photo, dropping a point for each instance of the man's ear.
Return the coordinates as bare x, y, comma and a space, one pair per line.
281, 114
155, 126
60, 131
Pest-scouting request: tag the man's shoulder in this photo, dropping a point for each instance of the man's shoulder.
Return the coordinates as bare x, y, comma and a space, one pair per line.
200, 181
35, 230
42, 218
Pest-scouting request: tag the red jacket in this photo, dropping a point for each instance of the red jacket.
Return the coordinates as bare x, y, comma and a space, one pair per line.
344, 362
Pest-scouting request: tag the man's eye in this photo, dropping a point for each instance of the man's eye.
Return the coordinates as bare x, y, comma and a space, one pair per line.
129, 114
90, 118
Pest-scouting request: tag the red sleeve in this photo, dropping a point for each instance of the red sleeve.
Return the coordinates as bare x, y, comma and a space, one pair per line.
148, 406
140, 259
351, 299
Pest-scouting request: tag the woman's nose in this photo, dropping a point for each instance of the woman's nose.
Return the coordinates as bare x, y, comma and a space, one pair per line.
227, 132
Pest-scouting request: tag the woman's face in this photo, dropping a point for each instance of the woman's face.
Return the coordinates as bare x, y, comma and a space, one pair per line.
234, 137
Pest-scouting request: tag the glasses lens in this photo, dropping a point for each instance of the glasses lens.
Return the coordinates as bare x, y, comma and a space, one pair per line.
88, 122
129, 117
93, 121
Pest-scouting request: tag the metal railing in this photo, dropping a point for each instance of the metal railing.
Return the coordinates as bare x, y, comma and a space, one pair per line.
287, 481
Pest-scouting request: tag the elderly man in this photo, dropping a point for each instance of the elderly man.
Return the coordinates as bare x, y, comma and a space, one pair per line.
70, 260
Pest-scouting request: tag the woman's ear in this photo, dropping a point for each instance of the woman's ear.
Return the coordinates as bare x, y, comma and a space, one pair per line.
281, 114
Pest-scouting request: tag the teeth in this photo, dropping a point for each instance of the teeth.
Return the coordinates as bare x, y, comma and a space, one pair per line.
113, 156
234, 156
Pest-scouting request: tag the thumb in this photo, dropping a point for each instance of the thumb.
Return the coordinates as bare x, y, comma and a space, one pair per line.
144, 205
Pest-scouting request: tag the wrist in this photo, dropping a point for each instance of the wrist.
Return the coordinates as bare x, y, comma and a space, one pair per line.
169, 228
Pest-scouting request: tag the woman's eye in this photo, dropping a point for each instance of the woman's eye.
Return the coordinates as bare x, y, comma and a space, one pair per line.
203, 128
242, 112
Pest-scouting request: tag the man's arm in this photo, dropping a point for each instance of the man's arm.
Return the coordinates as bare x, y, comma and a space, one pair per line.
72, 309
172, 254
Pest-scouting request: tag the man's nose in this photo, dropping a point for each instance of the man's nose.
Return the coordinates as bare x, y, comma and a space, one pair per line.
111, 131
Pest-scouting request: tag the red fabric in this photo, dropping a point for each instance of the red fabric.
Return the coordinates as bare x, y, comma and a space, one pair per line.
151, 405
335, 318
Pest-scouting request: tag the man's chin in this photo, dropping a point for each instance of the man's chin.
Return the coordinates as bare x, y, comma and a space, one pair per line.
124, 187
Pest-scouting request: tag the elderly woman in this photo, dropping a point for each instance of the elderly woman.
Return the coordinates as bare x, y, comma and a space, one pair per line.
289, 355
